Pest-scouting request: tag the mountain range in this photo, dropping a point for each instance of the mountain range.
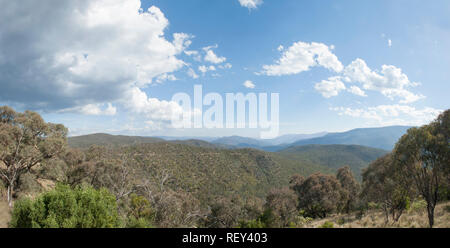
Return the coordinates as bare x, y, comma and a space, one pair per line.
380, 138
303, 154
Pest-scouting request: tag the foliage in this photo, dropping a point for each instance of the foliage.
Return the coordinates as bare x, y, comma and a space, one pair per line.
327, 224
26, 140
320, 195
63, 207
423, 155
350, 186
140, 213
381, 185
281, 205
418, 206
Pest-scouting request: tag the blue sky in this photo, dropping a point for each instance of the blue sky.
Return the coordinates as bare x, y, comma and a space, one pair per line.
347, 64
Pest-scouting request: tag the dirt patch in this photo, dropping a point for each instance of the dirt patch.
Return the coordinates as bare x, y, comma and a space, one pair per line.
5, 215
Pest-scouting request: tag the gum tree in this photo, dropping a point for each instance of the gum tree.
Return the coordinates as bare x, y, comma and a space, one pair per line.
26, 140
423, 155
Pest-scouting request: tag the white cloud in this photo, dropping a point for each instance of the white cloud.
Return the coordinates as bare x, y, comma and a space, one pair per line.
357, 91
225, 66
391, 81
165, 77
195, 54
389, 42
92, 109
76, 53
331, 87
204, 69
153, 109
392, 114
250, 4
192, 73
212, 57
249, 84
302, 57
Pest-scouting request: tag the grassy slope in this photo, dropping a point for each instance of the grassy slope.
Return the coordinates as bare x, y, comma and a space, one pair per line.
375, 219
4, 214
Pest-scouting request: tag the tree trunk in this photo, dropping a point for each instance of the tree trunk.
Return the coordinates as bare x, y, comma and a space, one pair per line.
430, 210
10, 194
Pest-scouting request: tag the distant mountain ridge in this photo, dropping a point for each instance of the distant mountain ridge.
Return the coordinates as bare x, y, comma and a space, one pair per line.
382, 138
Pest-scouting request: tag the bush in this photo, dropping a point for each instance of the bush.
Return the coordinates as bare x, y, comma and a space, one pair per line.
140, 214
418, 206
327, 224
252, 224
341, 221
63, 207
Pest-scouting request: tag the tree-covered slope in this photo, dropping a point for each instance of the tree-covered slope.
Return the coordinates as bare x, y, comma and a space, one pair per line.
85, 141
334, 156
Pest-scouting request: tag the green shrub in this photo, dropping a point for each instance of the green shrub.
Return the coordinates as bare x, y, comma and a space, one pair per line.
63, 207
418, 205
252, 224
327, 224
140, 213
341, 221
373, 205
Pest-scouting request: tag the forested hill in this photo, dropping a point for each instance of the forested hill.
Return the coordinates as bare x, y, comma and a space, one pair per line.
303, 160
334, 156
85, 141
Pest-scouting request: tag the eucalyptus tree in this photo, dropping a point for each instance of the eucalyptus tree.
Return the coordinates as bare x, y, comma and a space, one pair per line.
26, 140
423, 155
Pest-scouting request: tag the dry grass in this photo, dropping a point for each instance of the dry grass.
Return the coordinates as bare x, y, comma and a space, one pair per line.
4, 214
375, 219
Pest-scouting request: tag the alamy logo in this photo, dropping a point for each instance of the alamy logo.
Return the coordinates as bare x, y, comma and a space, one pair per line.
237, 111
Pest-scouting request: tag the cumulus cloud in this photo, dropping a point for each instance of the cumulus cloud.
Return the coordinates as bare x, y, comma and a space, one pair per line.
78, 54
331, 87
392, 114
194, 54
391, 81
250, 4
152, 108
165, 77
249, 84
355, 90
204, 69
302, 56
212, 57
92, 109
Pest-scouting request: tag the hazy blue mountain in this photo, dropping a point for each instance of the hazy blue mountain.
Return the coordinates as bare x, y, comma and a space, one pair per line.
291, 138
173, 138
241, 142
264, 144
334, 156
382, 138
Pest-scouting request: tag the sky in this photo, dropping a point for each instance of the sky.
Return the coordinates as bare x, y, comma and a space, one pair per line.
112, 66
